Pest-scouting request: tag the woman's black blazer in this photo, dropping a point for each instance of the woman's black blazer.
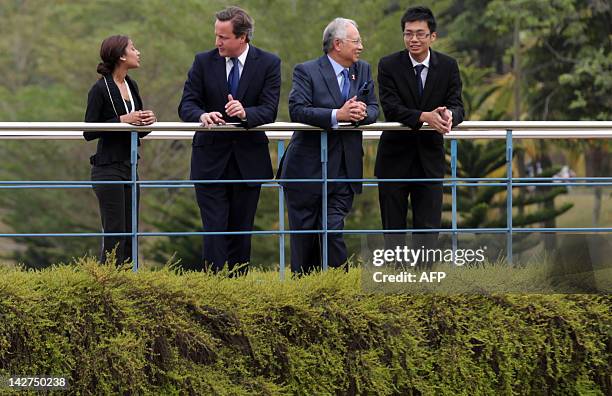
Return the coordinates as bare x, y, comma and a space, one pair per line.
112, 146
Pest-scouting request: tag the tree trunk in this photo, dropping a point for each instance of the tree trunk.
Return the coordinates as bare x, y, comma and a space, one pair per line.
516, 70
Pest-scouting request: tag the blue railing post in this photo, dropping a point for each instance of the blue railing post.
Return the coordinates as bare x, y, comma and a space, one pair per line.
281, 216
509, 193
454, 192
134, 168
324, 198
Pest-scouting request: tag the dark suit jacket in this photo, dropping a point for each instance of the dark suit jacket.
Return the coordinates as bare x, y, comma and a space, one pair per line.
112, 146
399, 152
206, 91
314, 94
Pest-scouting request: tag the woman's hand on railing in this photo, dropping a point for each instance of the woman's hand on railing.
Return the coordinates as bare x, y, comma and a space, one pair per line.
140, 117
148, 117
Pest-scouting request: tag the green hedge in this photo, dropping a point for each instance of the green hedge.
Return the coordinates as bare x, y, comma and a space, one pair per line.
158, 332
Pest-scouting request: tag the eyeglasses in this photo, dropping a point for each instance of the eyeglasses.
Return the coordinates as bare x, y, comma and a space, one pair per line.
354, 41
421, 35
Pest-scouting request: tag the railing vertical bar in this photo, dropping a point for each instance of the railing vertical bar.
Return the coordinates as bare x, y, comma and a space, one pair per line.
134, 178
281, 216
509, 195
454, 193
324, 197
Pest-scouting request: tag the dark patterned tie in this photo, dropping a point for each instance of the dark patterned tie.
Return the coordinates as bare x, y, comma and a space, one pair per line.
345, 84
419, 69
233, 78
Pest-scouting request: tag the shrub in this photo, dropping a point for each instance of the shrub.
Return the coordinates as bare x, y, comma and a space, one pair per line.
159, 332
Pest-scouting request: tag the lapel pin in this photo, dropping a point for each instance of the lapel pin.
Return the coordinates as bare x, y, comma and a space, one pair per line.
353, 77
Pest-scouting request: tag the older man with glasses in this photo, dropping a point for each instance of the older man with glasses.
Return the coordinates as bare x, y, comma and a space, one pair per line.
335, 88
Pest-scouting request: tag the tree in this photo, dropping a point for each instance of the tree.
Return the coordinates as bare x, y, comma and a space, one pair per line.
485, 207
49, 51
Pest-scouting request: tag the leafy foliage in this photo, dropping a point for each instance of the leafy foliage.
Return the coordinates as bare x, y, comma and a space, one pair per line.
156, 332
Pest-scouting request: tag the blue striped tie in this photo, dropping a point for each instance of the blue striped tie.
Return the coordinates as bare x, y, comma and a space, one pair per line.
345, 84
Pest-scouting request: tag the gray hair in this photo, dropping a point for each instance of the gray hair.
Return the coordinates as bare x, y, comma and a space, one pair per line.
335, 30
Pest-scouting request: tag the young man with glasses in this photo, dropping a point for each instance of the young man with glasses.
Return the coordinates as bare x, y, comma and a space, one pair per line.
416, 85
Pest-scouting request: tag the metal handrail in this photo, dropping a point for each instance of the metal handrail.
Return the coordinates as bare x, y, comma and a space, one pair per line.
281, 131
515, 126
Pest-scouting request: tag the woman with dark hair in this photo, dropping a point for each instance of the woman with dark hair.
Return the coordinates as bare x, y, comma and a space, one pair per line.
115, 98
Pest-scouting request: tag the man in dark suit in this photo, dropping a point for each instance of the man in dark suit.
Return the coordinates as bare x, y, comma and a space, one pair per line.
335, 88
416, 85
235, 82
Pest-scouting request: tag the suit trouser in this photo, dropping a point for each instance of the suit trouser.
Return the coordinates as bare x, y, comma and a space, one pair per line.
305, 213
115, 201
426, 201
227, 207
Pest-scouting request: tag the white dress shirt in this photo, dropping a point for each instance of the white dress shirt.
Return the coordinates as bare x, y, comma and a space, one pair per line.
241, 59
